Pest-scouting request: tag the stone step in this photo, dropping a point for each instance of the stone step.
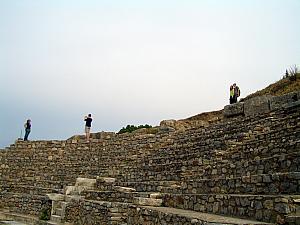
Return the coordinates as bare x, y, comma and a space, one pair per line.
52, 223
56, 218
57, 211
196, 161
111, 196
147, 201
33, 190
196, 149
151, 159
180, 216
293, 219
259, 207
189, 153
277, 183
177, 171
12, 216
144, 194
54, 185
116, 217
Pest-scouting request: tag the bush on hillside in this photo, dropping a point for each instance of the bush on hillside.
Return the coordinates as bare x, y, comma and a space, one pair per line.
131, 128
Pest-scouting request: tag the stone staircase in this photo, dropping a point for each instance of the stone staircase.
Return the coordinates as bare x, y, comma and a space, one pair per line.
245, 167
140, 206
294, 218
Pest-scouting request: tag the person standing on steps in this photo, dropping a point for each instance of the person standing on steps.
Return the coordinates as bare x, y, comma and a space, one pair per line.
88, 124
231, 94
236, 92
27, 126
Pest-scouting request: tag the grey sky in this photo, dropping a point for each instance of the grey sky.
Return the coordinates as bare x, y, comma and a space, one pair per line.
135, 62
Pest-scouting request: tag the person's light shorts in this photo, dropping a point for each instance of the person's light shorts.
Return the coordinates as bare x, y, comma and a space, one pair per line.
87, 129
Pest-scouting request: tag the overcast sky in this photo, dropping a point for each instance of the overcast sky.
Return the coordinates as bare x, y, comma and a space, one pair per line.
135, 61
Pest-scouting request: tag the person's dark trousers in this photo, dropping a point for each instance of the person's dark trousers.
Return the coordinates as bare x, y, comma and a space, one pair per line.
27, 131
234, 100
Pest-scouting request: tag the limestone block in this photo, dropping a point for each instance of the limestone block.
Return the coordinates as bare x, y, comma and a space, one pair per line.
277, 102
85, 182
167, 125
156, 195
257, 105
75, 190
234, 109
147, 201
56, 197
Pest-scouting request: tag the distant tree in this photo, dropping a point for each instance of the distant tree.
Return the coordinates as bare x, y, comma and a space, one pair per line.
131, 128
286, 73
291, 73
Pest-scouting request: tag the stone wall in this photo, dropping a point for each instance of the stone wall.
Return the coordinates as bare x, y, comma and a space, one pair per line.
84, 212
259, 207
24, 203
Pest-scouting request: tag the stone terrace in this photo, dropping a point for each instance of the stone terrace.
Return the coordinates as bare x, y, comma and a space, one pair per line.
246, 166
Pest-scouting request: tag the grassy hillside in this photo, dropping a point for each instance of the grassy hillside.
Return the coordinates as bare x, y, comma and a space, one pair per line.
278, 88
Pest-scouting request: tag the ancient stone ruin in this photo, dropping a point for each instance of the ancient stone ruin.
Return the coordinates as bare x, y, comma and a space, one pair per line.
243, 169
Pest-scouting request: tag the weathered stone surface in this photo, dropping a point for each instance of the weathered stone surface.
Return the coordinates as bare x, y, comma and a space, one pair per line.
257, 105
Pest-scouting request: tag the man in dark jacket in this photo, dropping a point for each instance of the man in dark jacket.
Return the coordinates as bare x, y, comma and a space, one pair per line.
88, 124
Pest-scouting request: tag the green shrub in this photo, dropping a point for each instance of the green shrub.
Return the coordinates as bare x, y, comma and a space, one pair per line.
45, 214
131, 128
